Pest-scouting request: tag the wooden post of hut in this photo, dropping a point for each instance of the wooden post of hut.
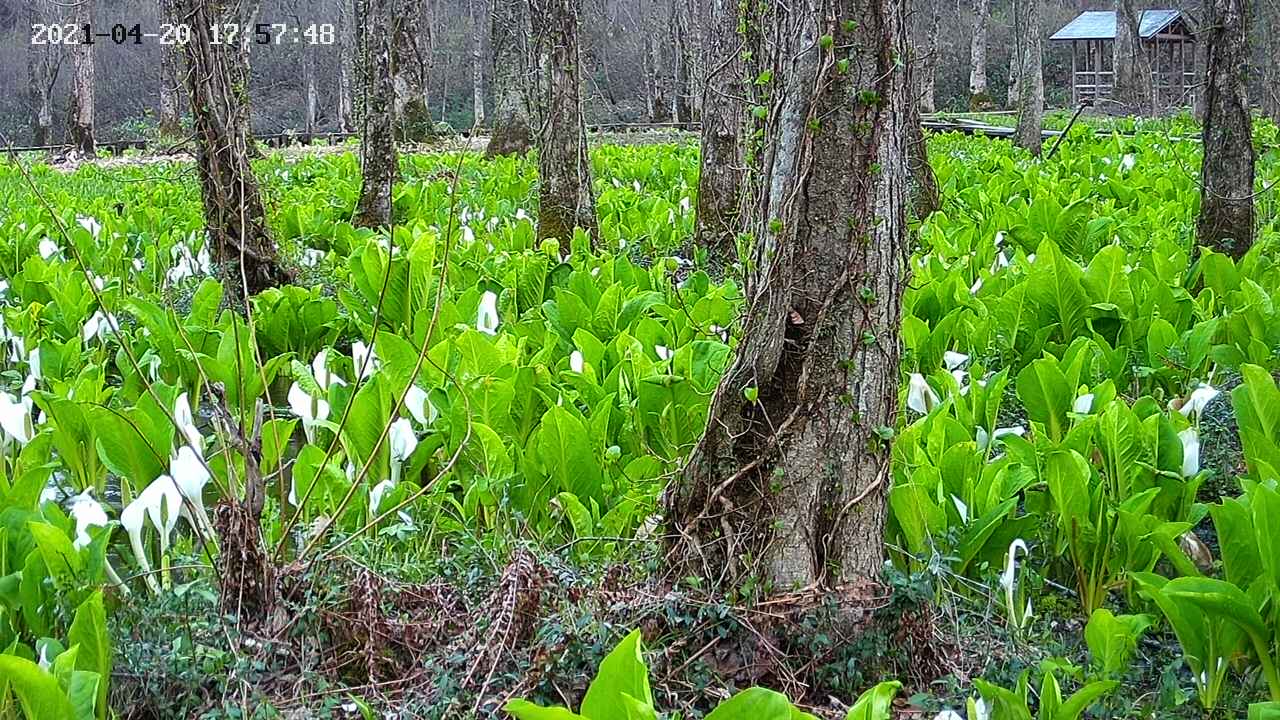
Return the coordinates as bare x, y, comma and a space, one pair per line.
1158, 29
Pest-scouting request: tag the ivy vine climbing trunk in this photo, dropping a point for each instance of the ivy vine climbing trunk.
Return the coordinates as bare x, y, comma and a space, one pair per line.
1227, 216
379, 164
565, 196
1030, 57
723, 116
788, 484
80, 113
512, 75
979, 95
235, 222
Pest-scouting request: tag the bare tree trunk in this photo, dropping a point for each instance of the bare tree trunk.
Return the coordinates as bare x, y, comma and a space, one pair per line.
346, 49
80, 117
379, 164
512, 77
169, 112
788, 484
682, 53
1226, 178
411, 66
1271, 59
1030, 56
475, 9
660, 85
1132, 89
979, 96
928, 24
311, 97
720, 170
234, 218
42, 71
565, 197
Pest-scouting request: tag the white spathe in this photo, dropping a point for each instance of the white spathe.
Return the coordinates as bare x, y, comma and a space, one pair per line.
99, 325
89, 223
954, 360
1190, 452
419, 406
403, 443
376, 494
920, 396
87, 512
186, 423
1009, 581
33, 361
663, 352
15, 418
310, 410
575, 361
364, 359
191, 475
1197, 401
487, 314
320, 370
48, 248
1083, 404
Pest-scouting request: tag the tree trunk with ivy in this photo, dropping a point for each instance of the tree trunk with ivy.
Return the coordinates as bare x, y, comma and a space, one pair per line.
235, 222
979, 95
1226, 177
1132, 79
723, 118
379, 163
565, 197
512, 74
789, 483
80, 114
1029, 133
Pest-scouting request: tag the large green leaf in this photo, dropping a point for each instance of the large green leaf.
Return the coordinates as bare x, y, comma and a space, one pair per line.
1047, 395
622, 673
876, 703
89, 632
37, 690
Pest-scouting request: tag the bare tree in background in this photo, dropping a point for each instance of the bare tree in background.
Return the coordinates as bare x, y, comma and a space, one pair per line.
1132, 92
1227, 217
235, 222
412, 53
169, 114
788, 484
979, 95
723, 116
512, 76
1271, 59
683, 53
565, 196
379, 164
80, 112
478, 16
42, 72
926, 23
1029, 55
657, 73
346, 49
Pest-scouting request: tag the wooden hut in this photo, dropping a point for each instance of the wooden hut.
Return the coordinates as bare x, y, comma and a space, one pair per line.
1168, 39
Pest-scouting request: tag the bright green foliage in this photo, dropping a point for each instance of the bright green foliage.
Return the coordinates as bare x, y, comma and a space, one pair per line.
1016, 704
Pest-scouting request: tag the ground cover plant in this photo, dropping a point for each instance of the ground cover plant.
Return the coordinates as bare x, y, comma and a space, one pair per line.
463, 435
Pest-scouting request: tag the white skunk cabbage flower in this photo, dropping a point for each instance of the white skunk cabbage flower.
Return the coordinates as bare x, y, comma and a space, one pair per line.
90, 223
663, 352
1083, 404
33, 361
364, 359
975, 287
954, 360
310, 410
99, 325
1127, 162
415, 400
1009, 581
48, 248
133, 517
320, 370
1190, 452
160, 502
1197, 401
311, 257
575, 362
487, 314
948, 715
376, 493
15, 418
87, 513
521, 214
186, 423
920, 397
403, 443
190, 475
468, 235
982, 439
